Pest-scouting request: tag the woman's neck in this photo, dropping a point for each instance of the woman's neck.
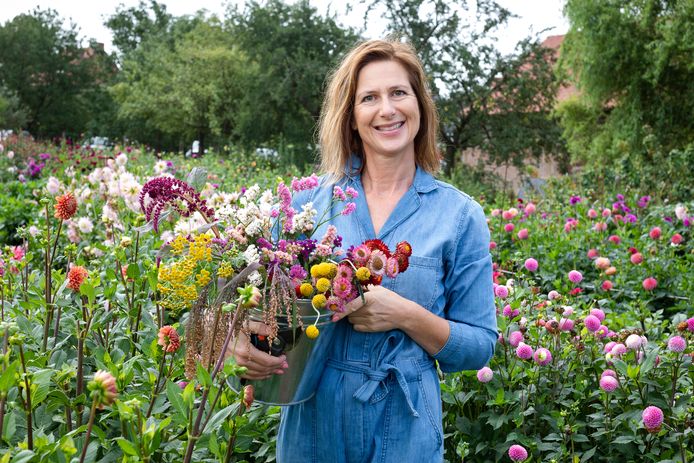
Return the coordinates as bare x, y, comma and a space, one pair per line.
387, 176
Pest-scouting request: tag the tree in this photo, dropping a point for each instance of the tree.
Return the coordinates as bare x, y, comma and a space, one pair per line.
183, 84
291, 49
45, 66
131, 26
632, 62
499, 104
12, 114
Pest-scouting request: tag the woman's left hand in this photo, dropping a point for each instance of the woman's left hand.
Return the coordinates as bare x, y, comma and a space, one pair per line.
379, 312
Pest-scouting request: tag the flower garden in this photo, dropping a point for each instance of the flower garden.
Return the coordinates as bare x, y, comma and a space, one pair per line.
100, 361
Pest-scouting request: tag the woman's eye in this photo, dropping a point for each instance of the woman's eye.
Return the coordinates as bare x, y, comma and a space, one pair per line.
367, 98
399, 93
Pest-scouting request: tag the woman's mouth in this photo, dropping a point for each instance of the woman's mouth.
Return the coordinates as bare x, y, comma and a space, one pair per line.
388, 128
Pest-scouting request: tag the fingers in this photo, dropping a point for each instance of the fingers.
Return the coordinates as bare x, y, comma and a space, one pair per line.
259, 364
350, 308
259, 328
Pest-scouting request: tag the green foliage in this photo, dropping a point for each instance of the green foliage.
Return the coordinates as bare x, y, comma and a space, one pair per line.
632, 64
43, 64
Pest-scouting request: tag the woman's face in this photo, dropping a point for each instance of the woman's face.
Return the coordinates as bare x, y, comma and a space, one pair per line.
386, 110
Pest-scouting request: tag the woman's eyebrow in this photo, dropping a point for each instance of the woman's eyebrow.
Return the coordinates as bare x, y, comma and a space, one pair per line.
392, 87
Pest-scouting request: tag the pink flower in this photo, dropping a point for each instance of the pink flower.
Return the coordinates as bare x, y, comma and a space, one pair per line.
531, 264
496, 212
338, 194
608, 383
508, 228
655, 233
342, 287
566, 324
608, 347
305, 183
523, 234
592, 323
575, 276
649, 284
600, 226
636, 258
592, 253
391, 267
377, 262
529, 208
515, 338
501, 292
335, 304
618, 350
606, 285
690, 324
615, 239
492, 245
552, 295
677, 344
349, 208
609, 373
633, 341
524, 351
676, 239
602, 263
103, 387
542, 356
606, 212
598, 313
485, 374
652, 418
592, 213
169, 339
517, 453
361, 255
351, 192
602, 331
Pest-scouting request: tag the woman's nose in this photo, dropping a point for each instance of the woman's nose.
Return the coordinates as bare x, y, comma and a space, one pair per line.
387, 108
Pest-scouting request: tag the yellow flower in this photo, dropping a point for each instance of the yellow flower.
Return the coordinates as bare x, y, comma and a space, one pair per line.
306, 290
178, 245
203, 278
225, 270
315, 269
363, 274
332, 270
312, 332
322, 285
319, 301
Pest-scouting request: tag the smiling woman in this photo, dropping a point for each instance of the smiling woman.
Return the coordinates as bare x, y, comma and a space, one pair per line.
377, 395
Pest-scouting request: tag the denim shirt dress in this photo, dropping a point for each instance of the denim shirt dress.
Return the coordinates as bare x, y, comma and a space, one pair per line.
375, 397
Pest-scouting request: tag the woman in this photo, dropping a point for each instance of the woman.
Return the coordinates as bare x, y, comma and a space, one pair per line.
377, 395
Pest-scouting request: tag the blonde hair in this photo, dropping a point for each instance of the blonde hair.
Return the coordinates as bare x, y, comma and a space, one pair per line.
338, 140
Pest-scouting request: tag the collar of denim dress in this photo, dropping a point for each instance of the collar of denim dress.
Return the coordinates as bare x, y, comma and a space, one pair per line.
424, 182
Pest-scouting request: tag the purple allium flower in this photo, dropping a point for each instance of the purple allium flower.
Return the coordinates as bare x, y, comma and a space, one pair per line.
501, 291
531, 264
598, 313
517, 453
542, 356
485, 374
652, 418
524, 351
608, 383
677, 344
592, 323
575, 276
162, 191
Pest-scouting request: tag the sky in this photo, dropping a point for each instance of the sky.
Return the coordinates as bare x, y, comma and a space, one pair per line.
89, 15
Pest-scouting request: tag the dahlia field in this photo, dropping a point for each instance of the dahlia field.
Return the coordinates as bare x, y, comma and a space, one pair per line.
594, 298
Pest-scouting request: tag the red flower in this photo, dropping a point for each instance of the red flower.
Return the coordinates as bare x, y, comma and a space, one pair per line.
378, 244
575, 291
403, 262
76, 277
375, 279
65, 206
169, 339
248, 395
403, 247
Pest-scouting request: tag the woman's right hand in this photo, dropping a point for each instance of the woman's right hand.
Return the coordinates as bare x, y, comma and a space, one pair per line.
260, 365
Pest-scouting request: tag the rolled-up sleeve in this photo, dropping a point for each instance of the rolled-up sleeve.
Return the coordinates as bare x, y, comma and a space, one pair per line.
469, 296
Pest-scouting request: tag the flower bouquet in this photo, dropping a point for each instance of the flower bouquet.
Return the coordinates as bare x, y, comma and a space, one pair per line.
251, 256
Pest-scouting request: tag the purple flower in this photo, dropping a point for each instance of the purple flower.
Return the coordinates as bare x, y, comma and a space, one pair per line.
338, 194
485, 374
542, 356
643, 201
574, 200
162, 191
501, 291
349, 208
592, 323
652, 418
677, 344
598, 313
517, 453
690, 324
297, 272
515, 338
45, 156
351, 192
531, 264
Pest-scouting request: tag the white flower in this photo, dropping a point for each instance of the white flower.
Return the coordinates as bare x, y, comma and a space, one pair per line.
252, 192
10, 154
160, 166
166, 236
12, 170
85, 225
251, 254
122, 159
53, 186
108, 214
34, 231
633, 341
255, 279
680, 211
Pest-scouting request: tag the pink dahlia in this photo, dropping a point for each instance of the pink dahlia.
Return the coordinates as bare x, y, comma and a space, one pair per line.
615, 239
606, 285
523, 234
169, 339
517, 453
592, 213
608, 372
531, 264
592, 323
636, 258
566, 324
676, 239
633, 341
650, 283
524, 351
552, 295
501, 291
602, 263
508, 228
575, 276
592, 253
690, 324
485, 374
677, 344
598, 313
618, 350
655, 233
515, 338
542, 356
608, 383
652, 418
103, 387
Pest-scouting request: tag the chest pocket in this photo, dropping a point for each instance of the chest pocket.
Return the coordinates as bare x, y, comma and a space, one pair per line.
420, 282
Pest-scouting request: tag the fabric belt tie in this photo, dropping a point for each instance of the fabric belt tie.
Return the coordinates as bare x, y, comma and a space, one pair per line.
376, 378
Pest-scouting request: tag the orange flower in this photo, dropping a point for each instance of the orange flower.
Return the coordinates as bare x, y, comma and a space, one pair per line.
76, 277
169, 339
65, 206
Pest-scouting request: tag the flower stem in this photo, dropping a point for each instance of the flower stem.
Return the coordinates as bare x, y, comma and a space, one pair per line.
89, 430
156, 385
27, 388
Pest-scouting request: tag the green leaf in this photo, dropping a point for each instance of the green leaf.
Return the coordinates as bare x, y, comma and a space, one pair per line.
204, 376
127, 447
623, 440
133, 271
7, 377
218, 418
175, 396
23, 456
588, 455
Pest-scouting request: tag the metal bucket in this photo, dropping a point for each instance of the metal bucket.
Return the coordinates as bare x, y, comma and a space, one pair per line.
296, 385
